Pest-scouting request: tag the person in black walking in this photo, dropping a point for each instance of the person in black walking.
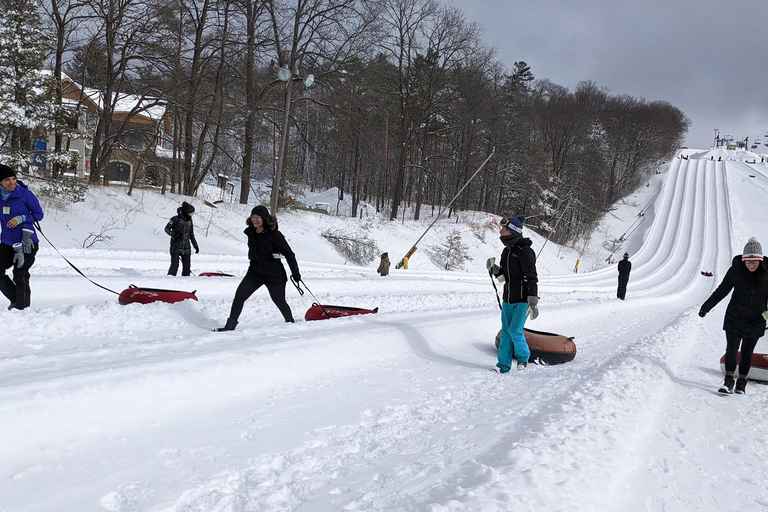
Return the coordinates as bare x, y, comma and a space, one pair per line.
744, 321
182, 233
625, 267
265, 245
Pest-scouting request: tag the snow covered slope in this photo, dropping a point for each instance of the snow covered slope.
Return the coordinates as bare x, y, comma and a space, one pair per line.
127, 408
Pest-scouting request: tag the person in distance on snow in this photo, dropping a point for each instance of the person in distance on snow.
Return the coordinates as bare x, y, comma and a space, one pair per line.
744, 321
265, 245
18, 241
518, 268
182, 233
383, 269
625, 267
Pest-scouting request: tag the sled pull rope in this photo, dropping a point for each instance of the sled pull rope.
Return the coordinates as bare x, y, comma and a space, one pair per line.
301, 292
40, 230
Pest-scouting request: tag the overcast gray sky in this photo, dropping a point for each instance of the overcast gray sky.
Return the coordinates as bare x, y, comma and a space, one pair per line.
706, 57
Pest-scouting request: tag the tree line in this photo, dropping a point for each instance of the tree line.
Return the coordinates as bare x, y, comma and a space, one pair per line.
407, 101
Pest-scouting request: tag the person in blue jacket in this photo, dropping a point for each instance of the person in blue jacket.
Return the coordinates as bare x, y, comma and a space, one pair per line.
521, 292
19, 209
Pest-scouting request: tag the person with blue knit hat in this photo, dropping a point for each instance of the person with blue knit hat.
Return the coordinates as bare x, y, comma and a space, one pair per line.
517, 270
625, 267
19, 244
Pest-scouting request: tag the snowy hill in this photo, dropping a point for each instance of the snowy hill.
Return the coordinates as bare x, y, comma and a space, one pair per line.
126, 408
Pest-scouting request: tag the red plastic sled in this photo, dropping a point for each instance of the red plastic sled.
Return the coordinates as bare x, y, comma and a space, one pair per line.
318, 312
547, 348
135, 295
758, 370
214, 274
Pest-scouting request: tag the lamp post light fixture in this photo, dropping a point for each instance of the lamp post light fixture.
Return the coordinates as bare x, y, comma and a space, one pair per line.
284, 75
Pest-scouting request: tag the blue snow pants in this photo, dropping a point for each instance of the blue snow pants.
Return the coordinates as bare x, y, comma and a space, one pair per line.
512, 340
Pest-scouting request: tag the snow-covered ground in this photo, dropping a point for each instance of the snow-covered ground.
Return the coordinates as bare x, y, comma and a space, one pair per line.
143, 408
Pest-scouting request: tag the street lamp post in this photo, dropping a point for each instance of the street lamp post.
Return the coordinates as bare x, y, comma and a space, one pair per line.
284, 75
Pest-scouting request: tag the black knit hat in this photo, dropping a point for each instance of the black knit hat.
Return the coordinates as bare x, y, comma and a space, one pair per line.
187, 208
6, 172
261, 211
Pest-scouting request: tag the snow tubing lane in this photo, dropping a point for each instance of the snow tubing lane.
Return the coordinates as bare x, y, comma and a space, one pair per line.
759, 369
136, 295
214, 274
318, 312
547, 348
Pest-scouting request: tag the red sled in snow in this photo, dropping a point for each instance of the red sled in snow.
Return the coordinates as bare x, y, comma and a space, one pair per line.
136, 295
214, 274
706, 273
759, 369
321, 312
547, 348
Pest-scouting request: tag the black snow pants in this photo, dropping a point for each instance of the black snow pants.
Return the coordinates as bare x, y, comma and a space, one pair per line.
16, 290
186, 263
250, 283
731, 350
622, 291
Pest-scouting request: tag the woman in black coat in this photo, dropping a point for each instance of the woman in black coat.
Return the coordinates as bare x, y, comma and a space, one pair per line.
744, 322
265, 245
182, 232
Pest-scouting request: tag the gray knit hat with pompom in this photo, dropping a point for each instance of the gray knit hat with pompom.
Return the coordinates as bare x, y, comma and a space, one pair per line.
752, 251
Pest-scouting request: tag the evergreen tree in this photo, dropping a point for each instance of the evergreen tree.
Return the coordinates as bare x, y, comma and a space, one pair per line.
28, 109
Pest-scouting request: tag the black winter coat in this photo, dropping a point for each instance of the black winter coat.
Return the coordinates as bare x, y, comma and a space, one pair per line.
625, 267
264, 250
743, 316
518, 264
182, 232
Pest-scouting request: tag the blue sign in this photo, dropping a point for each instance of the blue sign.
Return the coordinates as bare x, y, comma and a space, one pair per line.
40, 150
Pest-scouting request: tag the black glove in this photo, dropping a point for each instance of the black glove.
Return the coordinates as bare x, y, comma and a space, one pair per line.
296, 277
197, 249
702, 313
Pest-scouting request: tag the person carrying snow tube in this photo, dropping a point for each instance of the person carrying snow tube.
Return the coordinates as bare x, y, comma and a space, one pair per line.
182, 232
265, 245
625, 267
18, 241
744, 322
517, 269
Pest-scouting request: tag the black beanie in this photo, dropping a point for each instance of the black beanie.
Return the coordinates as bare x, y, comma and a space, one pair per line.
6, 172
187, 208
261, 211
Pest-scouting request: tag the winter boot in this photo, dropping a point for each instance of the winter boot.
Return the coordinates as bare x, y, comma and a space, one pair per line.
727, 386
522, 366
229, 326
741, 383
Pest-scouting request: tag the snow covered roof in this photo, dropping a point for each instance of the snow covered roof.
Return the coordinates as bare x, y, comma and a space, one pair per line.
151, 108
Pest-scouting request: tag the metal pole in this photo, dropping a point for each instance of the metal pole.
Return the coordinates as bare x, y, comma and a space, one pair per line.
413, 249
281, 151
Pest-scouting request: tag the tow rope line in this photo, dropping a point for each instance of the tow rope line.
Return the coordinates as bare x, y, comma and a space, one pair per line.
40, 230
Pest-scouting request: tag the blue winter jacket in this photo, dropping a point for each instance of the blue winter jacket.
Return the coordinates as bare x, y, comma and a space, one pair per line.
19, 202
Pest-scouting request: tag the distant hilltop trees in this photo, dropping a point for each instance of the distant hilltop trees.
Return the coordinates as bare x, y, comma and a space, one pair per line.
405, 101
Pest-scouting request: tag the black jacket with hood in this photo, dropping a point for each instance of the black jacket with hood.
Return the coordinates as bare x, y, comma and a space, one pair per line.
182, 232
518, 264
744, 314
264, 250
